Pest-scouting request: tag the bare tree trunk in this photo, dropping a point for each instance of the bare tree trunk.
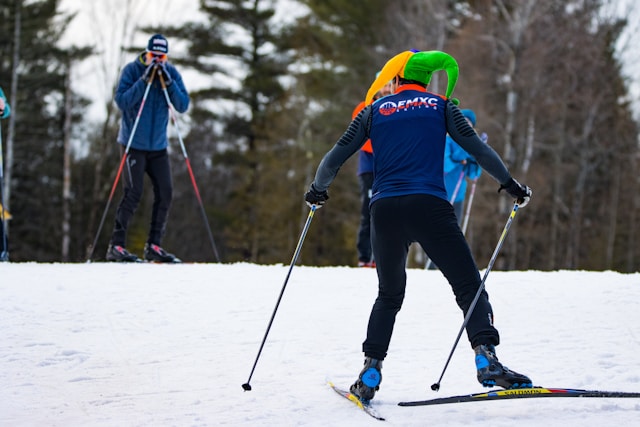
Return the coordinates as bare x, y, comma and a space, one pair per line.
518, 20
635, 205
129, 27
66, 168
613, 217
575, 220
555, 207
575, 223
558, 205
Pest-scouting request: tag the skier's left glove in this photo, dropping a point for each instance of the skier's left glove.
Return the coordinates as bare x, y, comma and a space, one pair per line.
315, 197
520, 192
165, 74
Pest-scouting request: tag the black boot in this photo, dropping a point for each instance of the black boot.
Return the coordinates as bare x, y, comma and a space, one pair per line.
155, 253
118, 253
368, 381
492, 373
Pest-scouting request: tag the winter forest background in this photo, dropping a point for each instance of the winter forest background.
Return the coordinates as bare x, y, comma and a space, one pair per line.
271, 96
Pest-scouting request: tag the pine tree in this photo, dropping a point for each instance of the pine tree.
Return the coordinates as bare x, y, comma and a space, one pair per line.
39, 114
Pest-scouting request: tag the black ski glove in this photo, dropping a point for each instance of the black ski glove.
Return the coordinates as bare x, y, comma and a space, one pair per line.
315, 197
165, 74
147, 72
520, 192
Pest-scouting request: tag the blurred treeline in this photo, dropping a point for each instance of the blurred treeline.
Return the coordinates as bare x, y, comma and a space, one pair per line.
543, 77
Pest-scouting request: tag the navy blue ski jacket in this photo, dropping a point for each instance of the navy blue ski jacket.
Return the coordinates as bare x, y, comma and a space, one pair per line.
408, 132
151, 132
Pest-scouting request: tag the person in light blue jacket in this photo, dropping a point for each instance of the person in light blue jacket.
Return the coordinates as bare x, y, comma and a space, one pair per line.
458, 166
148, 145
5, 111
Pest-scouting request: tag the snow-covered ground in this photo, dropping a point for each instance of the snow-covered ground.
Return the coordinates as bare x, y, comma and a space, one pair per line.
171, 345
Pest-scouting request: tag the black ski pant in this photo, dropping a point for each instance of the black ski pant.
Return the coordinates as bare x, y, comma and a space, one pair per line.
156, 165
397, 222
363, 242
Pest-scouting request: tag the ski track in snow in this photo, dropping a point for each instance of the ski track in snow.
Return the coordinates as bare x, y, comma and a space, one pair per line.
170, 345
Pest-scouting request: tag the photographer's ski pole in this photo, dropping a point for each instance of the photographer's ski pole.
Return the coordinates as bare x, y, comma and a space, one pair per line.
186, 159
467, 212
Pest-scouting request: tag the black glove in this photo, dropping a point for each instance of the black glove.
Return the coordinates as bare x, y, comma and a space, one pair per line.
520, 192
147, 72
315, 197
165, 74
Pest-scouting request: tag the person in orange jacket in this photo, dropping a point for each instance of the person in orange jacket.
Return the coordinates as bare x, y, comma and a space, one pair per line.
365, 177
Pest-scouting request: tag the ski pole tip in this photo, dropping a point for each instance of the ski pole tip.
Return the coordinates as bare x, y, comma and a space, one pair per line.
435, 387
246, 387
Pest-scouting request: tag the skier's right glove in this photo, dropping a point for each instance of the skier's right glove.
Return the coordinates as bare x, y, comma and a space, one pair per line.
520, 192
147, 72
315, 197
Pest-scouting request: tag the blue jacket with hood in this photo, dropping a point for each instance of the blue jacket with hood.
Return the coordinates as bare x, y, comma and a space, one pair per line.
455, 171
151, 132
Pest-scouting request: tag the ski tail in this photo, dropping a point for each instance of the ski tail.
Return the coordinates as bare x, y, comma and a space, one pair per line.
366, 407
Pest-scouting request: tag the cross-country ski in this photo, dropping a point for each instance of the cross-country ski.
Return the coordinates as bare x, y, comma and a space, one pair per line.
523, 393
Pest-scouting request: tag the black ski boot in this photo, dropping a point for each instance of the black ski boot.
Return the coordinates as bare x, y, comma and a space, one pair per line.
492, 373
155, 253
118, 253
368, 381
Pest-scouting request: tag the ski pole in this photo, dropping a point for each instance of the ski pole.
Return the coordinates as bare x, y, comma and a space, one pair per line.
457, 189
436, 386
246, 386
467, 212
451, 200
186, 159
122, 162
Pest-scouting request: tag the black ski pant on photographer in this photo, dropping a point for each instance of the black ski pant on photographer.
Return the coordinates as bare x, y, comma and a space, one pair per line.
396, 222
156, 165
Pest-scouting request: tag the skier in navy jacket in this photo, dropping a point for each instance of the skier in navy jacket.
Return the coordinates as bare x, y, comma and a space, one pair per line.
409, 203
148, 150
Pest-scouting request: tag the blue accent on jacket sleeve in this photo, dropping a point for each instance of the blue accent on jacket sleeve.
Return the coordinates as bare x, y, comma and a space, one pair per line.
7, 109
